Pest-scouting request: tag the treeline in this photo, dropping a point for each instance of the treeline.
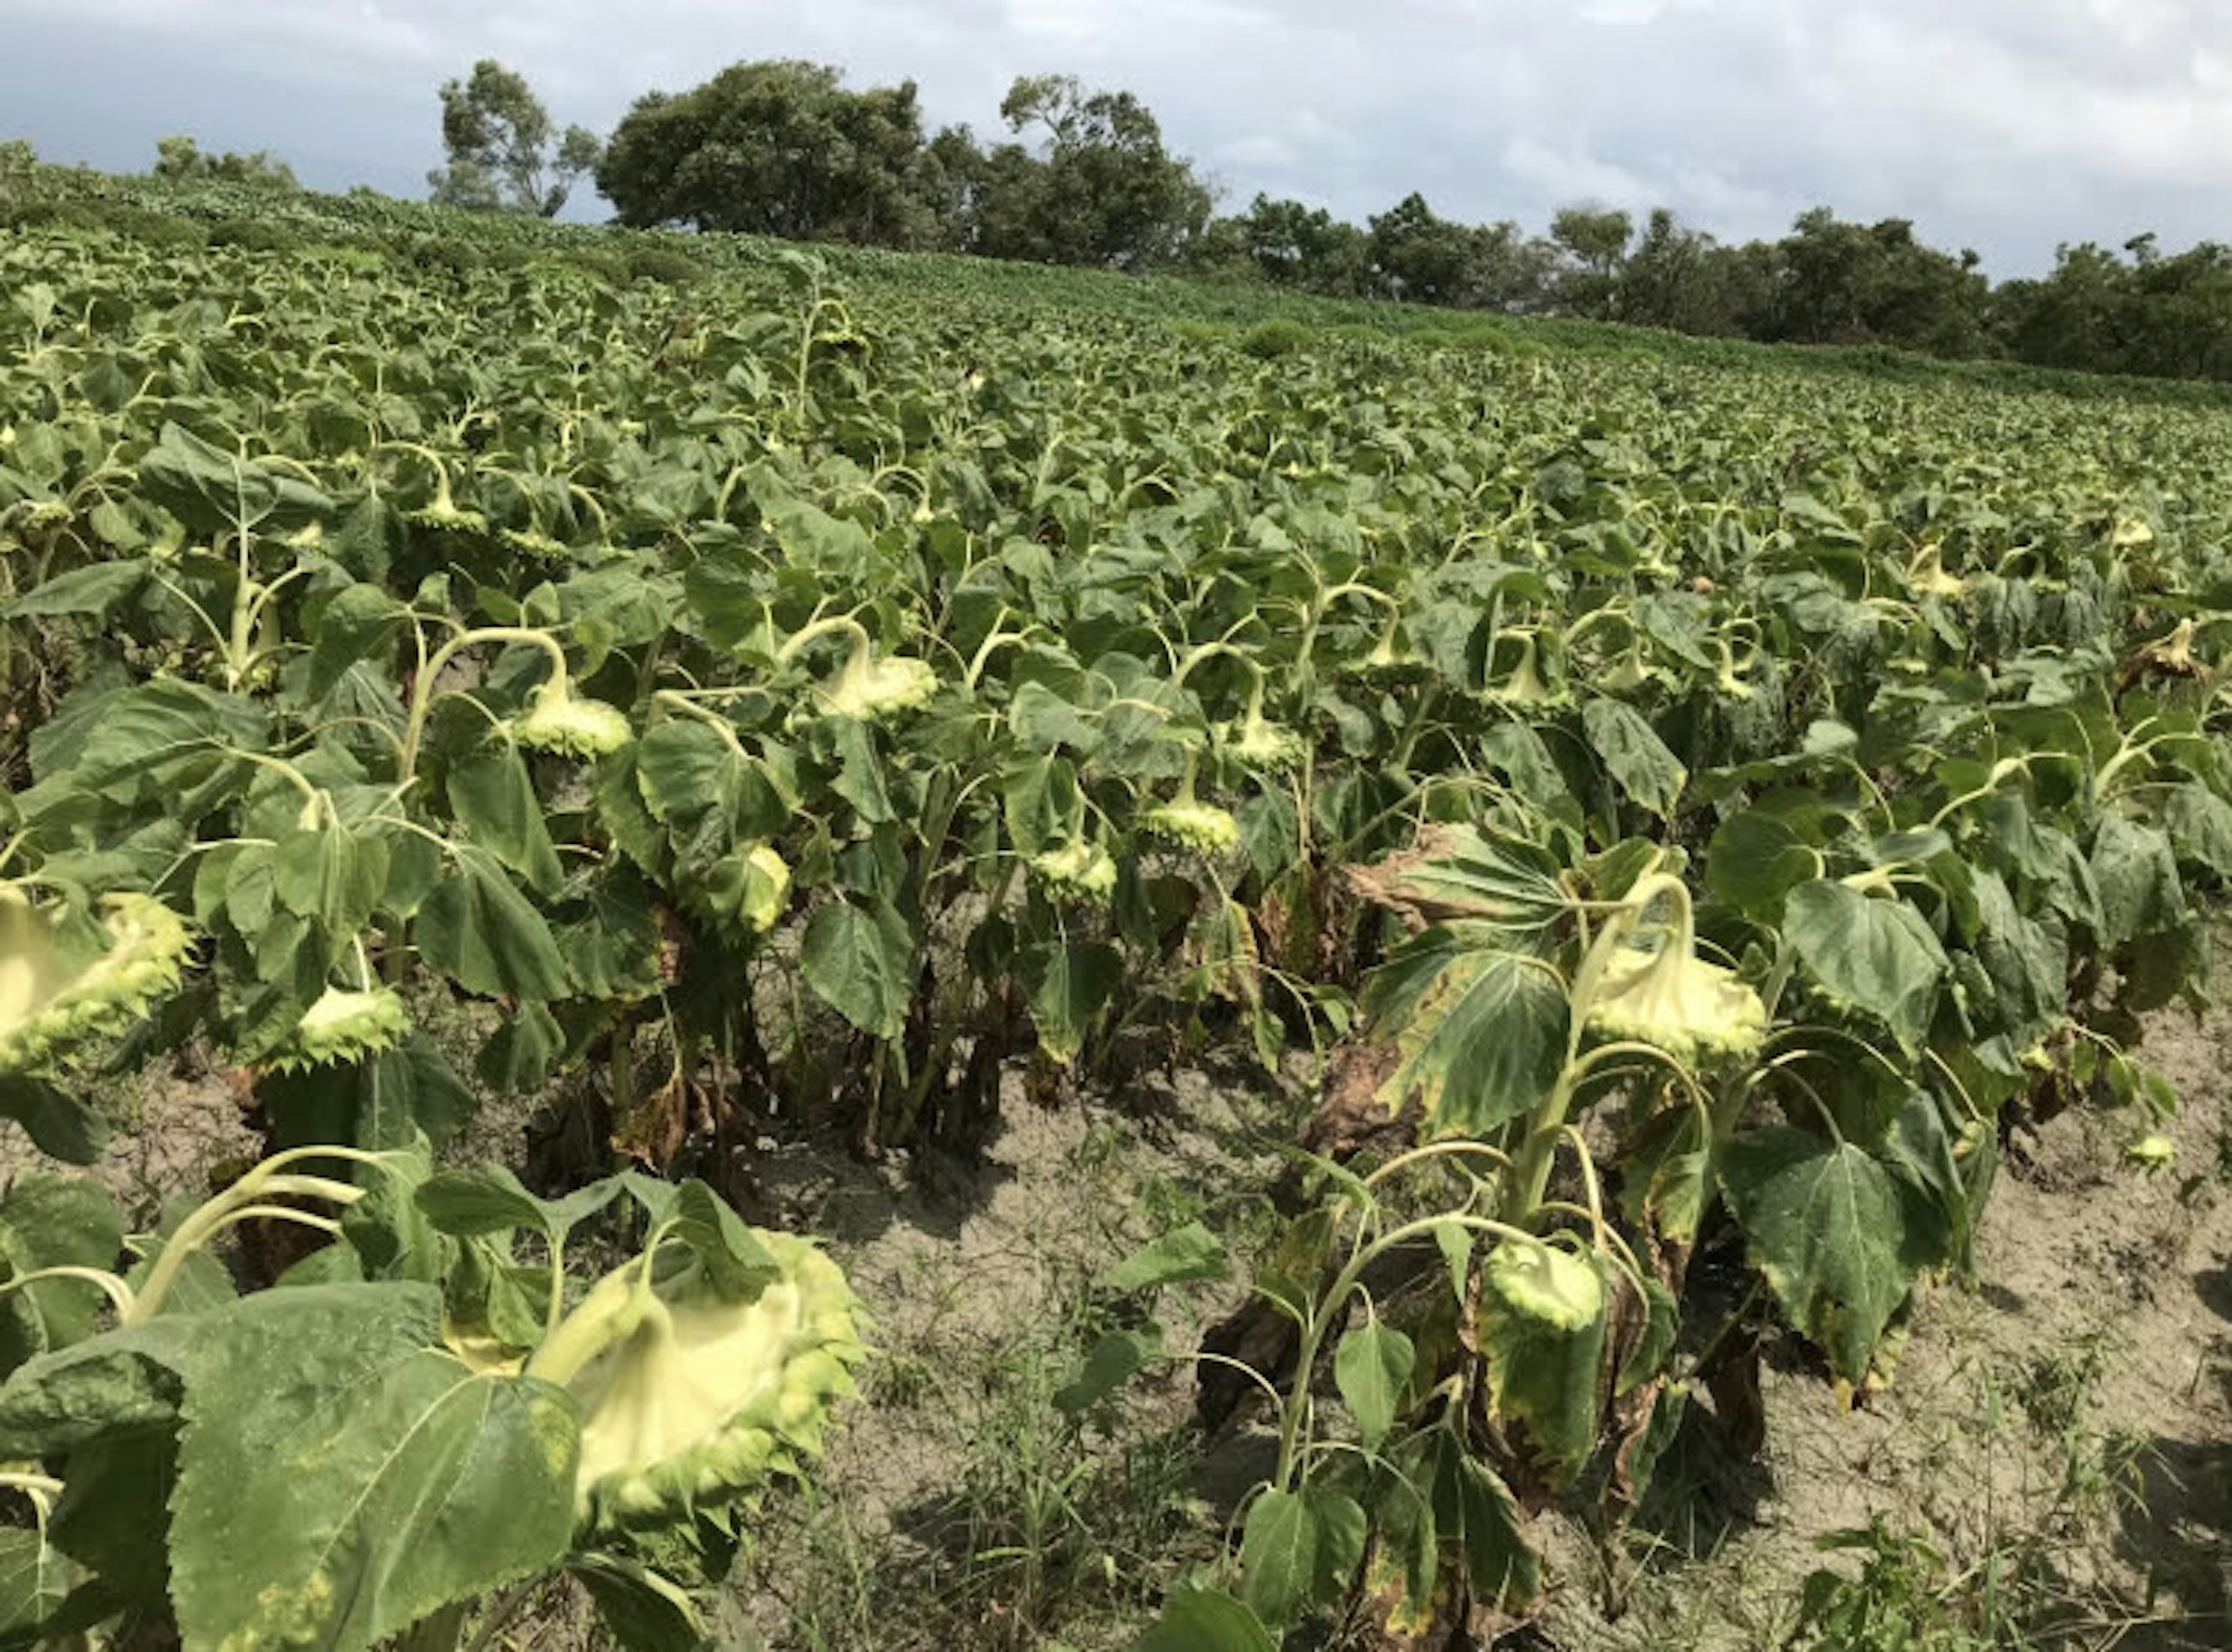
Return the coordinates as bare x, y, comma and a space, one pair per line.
1083, 177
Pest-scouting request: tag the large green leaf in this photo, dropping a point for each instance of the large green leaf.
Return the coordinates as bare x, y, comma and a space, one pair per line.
1069, 984
341, 1475
493, 796
330, 875
644, 1611
1185, 1254
92, 590
1877, 956
1473, 1510
1548, 1378
1754, 862
209, 489
120, 1382
59, 1124
1837, 1234
1299, 1550
386, 1102
50, 1221
686, 770
1637, 758
485, 935
860, 960
357, 624
34, 1580
2136, 872
1480, 1031
1373, 1368
1195, 1619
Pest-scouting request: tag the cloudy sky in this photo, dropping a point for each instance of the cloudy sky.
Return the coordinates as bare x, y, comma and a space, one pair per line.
2004, 125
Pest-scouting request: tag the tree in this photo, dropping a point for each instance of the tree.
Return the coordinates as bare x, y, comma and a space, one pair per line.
1858, 283
498, 137
1294, 245
1594, 245
1677, 278
1101, 189
184, 158
782, 148
1421, 257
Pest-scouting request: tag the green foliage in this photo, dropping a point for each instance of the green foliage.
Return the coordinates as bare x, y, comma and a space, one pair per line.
415, 1421
254, 234
504, 155
776, 148
659, 264
181, 159
1268, 340
1703, 805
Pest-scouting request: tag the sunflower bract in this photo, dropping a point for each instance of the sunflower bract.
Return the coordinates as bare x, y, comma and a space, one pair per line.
50, 1009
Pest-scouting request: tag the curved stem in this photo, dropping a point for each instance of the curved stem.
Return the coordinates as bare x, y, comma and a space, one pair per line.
845, 623
117, 1293
674, 700
423, 690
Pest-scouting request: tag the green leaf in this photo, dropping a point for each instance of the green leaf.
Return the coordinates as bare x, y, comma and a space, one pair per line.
482, 933
1205, 1620
1637, 758
1069, 984
1180, 1257
860, 960
2136, 872
1480, 1032
58, 1123
341, 1476
685, 771
34, 1580
1115, 1359
1877, 956
383, 1104
357, 624
1371, 1369
493, 797
161, 739
1037, 796
93, 591
330, 875
1754, 862
521, 1054
644, 1611
410, 1091
209, 489
50, 1221
118, 1382
100, 1522
1299, 1550
734, 1259
2200, 823
1472, 1506
469, 1204
860, 773
1831, 1228
736, 1263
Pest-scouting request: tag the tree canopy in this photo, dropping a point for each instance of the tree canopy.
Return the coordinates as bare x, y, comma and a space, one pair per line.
504, 153
182, 158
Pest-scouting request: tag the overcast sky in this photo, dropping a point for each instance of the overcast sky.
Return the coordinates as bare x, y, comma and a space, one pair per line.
2005, 125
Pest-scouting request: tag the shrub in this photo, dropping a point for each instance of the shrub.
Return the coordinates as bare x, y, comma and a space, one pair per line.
1268, 340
